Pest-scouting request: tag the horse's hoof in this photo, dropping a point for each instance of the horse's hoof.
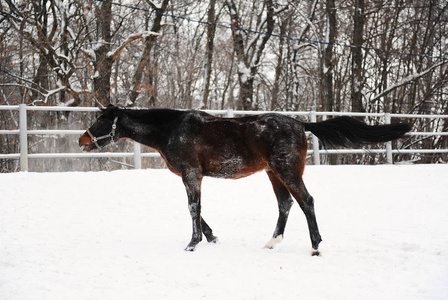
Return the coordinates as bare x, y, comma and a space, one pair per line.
274, 241
315, 252
190, 248
213, 240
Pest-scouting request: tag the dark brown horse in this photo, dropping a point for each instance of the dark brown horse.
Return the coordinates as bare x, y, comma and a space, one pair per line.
195, 144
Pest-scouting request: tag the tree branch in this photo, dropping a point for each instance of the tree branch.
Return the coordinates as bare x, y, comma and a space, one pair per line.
407, 80
114, 54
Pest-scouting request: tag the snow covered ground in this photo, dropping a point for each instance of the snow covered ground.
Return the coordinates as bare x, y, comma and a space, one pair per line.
121, 235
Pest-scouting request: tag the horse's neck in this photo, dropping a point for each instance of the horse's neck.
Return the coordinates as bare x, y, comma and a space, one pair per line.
145, 132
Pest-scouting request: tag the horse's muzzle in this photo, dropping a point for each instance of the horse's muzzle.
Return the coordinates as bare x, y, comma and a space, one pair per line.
85, 143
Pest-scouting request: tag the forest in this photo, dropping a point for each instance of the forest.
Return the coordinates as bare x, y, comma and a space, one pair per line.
328, 55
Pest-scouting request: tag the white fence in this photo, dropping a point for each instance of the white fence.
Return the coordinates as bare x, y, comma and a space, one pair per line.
23, 132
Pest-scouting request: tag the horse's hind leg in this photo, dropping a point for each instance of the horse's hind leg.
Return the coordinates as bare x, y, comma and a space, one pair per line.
292, 179
306, 202
284, 206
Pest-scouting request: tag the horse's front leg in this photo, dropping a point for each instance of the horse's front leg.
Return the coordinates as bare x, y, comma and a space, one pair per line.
192, 184
208, 232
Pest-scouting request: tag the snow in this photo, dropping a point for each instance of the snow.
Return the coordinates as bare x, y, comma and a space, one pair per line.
121, 235
91, 53
245, 71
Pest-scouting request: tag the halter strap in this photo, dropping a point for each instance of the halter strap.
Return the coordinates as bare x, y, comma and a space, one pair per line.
110, 135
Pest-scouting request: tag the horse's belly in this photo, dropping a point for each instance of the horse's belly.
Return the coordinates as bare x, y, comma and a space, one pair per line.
233, 168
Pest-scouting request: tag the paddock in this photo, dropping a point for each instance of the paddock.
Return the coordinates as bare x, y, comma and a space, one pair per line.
120, 235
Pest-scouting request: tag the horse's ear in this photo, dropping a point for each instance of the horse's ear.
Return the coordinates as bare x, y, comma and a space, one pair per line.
107, 108
110, 109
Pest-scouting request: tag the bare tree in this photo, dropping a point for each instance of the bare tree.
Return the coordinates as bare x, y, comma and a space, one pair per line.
102, 61
211, 28
150, 40
327, 64
249, 48
44, 25
357, 77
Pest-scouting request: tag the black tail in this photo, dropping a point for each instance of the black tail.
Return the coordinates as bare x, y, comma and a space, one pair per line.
346, 131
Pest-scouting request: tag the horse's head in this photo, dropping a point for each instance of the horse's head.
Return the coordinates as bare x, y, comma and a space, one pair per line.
102, 132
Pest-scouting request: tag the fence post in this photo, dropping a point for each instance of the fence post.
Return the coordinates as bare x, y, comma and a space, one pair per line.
229, 113
23, 135
137, 155
315, 140
389, 157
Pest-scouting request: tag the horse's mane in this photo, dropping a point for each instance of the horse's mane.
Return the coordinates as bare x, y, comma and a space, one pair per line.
153, 115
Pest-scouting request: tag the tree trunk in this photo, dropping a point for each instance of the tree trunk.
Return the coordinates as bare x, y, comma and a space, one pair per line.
357, 79
326, 88
278, 68
146, 55
103, 62
209, 53
40, 82
249, 55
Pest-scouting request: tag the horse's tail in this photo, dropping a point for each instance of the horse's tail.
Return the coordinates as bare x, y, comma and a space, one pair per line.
346, 131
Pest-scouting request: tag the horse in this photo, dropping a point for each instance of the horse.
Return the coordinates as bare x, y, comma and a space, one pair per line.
195, 144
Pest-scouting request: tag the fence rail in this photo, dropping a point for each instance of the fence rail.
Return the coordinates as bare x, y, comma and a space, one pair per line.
23, 133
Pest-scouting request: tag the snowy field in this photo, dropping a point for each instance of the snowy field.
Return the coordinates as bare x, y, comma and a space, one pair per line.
121, 235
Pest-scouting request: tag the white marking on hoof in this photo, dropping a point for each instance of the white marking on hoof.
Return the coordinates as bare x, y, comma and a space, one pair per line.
274, 241
190, 248
316, 252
